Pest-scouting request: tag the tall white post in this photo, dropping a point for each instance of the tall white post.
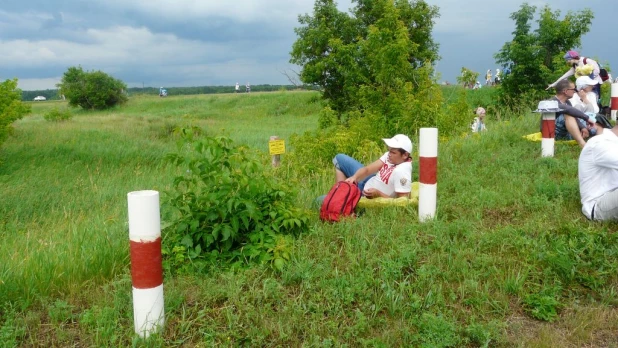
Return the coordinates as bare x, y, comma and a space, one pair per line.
614, 100
146, 262
428, 171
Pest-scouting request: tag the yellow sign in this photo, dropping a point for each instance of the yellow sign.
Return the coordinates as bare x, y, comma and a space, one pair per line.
276, 147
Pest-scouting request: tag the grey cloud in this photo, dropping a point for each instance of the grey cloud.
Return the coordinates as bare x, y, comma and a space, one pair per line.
160, 42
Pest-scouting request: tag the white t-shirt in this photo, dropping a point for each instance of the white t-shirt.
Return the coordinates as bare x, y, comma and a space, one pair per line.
392, 178
579, 104
597, 169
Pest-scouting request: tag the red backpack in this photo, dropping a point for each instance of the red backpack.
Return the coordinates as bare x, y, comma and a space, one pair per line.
340, 201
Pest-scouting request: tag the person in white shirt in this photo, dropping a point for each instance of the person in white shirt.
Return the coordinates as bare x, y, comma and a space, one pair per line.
598, 173
478, 124
390, 176
585, 100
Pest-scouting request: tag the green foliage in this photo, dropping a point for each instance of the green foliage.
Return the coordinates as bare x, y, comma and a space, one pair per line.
457, 116
500, 247
467, 78
535, 57
544, 304
92, 89
53, 94
227, 205
11, 107
436, 331
58, 115
377, 47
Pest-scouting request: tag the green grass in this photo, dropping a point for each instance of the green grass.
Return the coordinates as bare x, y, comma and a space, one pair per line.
508, 261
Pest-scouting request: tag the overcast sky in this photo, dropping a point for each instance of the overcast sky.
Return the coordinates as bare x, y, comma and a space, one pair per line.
214, 42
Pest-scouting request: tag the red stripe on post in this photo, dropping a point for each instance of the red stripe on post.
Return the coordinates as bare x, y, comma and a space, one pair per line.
614, 105
146, 265
428, 170
548, 129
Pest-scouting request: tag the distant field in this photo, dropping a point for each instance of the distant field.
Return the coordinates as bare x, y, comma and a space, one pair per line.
509, 261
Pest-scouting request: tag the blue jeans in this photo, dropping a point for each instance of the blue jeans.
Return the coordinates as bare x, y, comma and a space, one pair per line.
561, 130
348, 166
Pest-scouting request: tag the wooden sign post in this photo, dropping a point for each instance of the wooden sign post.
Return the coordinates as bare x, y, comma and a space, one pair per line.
276, 147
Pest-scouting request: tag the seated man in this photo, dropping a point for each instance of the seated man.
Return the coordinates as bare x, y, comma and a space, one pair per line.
598, 173
389, 177
571, 124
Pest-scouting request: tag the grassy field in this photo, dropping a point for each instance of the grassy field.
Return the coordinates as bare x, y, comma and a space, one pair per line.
509, 260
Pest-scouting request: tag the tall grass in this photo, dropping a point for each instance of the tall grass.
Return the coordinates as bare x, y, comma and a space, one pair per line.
509, 260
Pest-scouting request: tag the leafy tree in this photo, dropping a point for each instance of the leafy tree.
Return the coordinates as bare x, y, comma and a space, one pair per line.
374, 52
534, 57
467, 78
92, 90
11, 107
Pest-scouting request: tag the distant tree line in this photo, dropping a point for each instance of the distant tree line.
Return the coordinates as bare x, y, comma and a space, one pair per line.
207, 89
52, 94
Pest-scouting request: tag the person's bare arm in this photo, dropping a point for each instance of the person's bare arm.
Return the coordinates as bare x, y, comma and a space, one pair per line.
365, 171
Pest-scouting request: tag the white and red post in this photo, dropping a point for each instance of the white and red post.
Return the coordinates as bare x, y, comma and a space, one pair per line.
548, 132
614, 101
428, 170
146, 263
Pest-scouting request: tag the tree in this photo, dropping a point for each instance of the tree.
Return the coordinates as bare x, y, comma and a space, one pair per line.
467, 78
372, 53
534, 58
11, 107
92, 90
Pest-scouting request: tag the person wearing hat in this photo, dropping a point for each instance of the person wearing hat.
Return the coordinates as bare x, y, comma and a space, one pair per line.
390, 176
478, 124
598, 173
575, 61
585, 100
571, 124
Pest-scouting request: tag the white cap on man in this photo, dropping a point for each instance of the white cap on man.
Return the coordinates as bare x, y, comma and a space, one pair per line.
399, 141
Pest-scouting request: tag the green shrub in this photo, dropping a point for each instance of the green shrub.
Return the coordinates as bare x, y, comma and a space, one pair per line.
11, 107
227, 206
92, 89
544, 305
58, 115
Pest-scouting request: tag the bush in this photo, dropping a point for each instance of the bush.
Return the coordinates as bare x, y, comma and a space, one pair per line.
92, 90
226, 206
58, 115
11, 107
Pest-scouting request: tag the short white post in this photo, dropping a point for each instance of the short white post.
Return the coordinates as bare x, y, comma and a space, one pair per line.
428, 170
614, 100
146, 262
548, 131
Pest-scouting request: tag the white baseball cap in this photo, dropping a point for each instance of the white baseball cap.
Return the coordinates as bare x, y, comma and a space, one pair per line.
399, 141
584, 81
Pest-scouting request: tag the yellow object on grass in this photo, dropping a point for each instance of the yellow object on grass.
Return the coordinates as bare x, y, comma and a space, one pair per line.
389, 202
538, 137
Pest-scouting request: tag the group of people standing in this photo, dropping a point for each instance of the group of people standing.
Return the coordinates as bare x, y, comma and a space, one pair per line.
490, 80
495, 81
247, 88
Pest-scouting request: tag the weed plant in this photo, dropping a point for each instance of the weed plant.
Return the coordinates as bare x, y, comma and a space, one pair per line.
508, 261
58, 115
